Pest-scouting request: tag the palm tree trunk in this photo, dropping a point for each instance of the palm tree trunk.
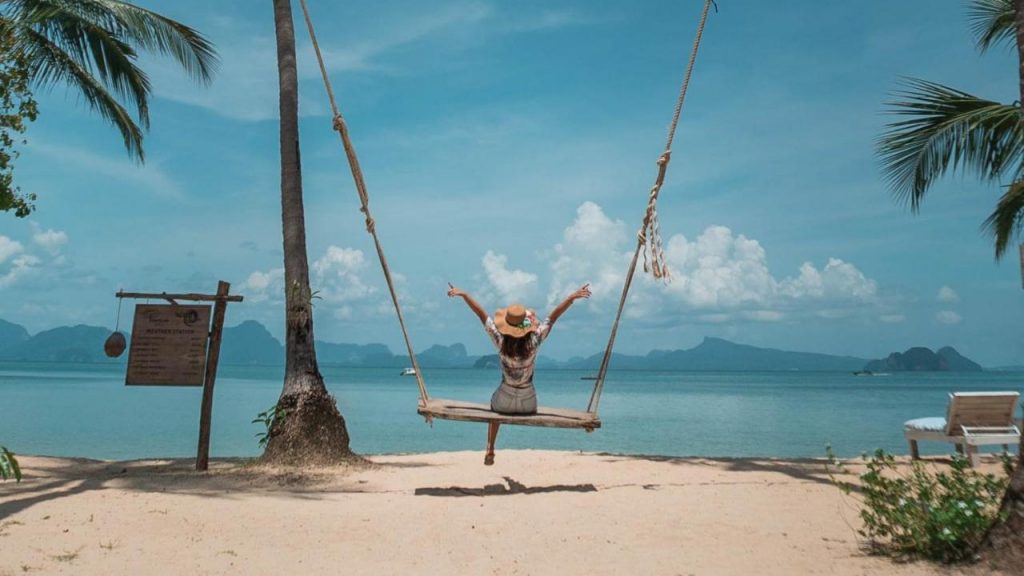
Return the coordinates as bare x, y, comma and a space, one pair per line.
1004, 544
311, 431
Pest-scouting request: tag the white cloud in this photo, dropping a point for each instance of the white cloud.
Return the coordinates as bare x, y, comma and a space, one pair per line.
510, 285
947, 295
337, 276
51, 240
892, 318
9, 248
837, 280
718, 270
591, 251
262, 286
719, 277
948, 317
21, 266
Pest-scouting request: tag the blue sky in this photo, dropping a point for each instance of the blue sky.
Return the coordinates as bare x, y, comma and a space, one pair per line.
508, 148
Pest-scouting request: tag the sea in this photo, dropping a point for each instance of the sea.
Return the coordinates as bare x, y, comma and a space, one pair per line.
85, 410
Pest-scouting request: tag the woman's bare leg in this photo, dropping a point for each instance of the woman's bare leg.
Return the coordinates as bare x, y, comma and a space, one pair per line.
492, 435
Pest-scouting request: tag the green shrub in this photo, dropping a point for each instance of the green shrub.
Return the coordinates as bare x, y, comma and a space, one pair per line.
923, 513
9, 467
269, 418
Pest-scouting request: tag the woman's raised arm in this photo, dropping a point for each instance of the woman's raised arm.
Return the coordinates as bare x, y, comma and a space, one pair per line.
473, 304
582, 292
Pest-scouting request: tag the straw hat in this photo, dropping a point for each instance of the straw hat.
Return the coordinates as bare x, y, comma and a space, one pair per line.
515, 321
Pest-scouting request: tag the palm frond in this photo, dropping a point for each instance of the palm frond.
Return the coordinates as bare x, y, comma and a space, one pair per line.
992, 22
52, 65
85, 33
151, 31
947, 130
1007, 220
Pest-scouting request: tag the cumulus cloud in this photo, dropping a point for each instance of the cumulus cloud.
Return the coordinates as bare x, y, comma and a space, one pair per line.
21, 265
837, 280
335, 280
14, 262
50, 240
9, 248
718, 277
337, 275
591, 251
510, 285
263, 286
947, 295
948, 317
718, 270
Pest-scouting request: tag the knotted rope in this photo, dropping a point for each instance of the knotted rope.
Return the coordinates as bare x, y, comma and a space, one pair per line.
648, 239
364, 199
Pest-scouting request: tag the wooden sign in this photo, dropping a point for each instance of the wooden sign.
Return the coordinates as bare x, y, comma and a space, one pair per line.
168, 346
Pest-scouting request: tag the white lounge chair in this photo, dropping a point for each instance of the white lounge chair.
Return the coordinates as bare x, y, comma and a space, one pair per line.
973, 419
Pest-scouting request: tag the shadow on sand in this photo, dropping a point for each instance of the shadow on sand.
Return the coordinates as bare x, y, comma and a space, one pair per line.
511, 487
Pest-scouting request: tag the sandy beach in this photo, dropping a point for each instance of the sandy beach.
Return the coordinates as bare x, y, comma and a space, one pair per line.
534, 512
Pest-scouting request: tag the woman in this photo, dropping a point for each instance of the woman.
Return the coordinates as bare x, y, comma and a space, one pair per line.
517, 336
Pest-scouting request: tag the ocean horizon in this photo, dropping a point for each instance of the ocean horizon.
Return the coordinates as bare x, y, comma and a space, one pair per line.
85, 410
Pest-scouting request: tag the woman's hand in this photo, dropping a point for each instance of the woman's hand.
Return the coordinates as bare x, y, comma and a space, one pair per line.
453, 291
583, 292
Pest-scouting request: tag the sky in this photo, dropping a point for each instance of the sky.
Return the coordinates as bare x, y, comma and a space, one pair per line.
509, 148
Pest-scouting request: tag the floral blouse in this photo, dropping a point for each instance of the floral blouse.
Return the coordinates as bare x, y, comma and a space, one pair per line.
518, 372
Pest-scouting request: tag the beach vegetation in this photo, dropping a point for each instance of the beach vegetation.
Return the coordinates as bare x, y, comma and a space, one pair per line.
924, 512
9, 467
91, 47
314, 432
945, 130
17, 109
269, 418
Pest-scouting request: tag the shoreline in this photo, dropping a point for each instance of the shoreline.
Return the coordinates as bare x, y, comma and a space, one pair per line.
533, 512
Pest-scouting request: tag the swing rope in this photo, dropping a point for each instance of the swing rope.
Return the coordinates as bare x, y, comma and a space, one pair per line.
364, 199
648, 238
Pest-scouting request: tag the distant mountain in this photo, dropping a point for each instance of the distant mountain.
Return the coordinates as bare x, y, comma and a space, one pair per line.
65, 344
437, 356
11, 335
919, 359
376, 355
716, 354
250, 343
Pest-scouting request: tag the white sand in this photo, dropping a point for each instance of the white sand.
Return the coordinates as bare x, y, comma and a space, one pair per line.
534, 512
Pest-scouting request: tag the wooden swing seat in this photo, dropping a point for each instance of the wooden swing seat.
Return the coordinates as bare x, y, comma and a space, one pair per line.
471, 412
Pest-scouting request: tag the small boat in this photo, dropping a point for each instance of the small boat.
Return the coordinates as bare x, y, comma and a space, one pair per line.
863, 373
408, 372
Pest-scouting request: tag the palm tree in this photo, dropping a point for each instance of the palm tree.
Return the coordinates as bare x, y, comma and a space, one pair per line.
948, 130
308, 429
92, 46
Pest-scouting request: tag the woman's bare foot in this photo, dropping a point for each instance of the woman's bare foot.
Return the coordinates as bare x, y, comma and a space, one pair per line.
489, 460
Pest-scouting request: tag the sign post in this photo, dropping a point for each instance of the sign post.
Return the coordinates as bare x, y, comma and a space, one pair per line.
169, 348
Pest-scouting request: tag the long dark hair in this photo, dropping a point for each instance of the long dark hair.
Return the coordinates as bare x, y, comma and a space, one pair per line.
517, 348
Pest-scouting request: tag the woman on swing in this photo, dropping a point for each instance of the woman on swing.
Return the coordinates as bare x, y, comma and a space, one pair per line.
517, 336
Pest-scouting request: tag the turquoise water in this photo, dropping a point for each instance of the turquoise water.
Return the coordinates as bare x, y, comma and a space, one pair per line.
85, 410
